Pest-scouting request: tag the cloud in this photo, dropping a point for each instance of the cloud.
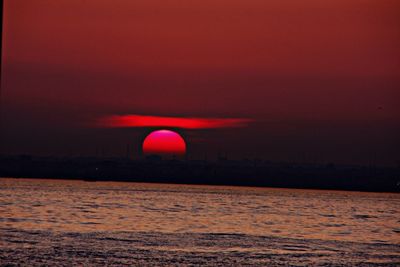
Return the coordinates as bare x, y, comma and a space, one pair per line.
134, 120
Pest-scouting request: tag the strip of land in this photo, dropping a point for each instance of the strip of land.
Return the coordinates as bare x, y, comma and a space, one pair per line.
222, 172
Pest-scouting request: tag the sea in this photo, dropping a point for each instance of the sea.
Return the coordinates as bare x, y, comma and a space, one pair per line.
46, 222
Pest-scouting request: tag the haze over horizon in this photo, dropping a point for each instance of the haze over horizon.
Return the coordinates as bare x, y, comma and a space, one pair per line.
318, 80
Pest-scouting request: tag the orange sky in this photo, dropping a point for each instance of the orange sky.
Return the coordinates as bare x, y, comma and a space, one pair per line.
278, 62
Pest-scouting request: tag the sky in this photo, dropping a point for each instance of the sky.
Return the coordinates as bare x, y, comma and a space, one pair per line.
314, 81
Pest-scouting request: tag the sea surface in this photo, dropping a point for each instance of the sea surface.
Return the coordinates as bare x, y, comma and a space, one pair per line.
66, 223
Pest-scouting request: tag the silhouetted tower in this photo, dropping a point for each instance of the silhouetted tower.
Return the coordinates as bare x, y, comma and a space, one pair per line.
128, 152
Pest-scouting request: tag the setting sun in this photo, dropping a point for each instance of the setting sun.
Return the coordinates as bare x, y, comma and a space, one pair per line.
164, 142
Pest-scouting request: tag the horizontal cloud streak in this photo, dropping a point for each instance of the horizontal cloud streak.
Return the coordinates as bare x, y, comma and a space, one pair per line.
134, 120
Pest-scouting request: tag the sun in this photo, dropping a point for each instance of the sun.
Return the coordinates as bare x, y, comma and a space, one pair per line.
164, 143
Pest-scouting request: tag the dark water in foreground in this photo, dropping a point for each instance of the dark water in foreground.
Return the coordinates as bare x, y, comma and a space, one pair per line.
53, 222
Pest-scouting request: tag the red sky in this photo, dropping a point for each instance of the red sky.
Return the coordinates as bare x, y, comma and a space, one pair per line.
319, 78
135, 120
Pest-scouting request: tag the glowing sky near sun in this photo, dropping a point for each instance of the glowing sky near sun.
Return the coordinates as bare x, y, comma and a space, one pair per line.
133, 120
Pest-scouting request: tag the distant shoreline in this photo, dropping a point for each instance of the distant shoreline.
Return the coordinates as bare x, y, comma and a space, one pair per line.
222, 173
193, 184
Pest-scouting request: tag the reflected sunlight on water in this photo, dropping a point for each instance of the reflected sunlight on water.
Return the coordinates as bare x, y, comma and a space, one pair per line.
57, 207
112, 206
